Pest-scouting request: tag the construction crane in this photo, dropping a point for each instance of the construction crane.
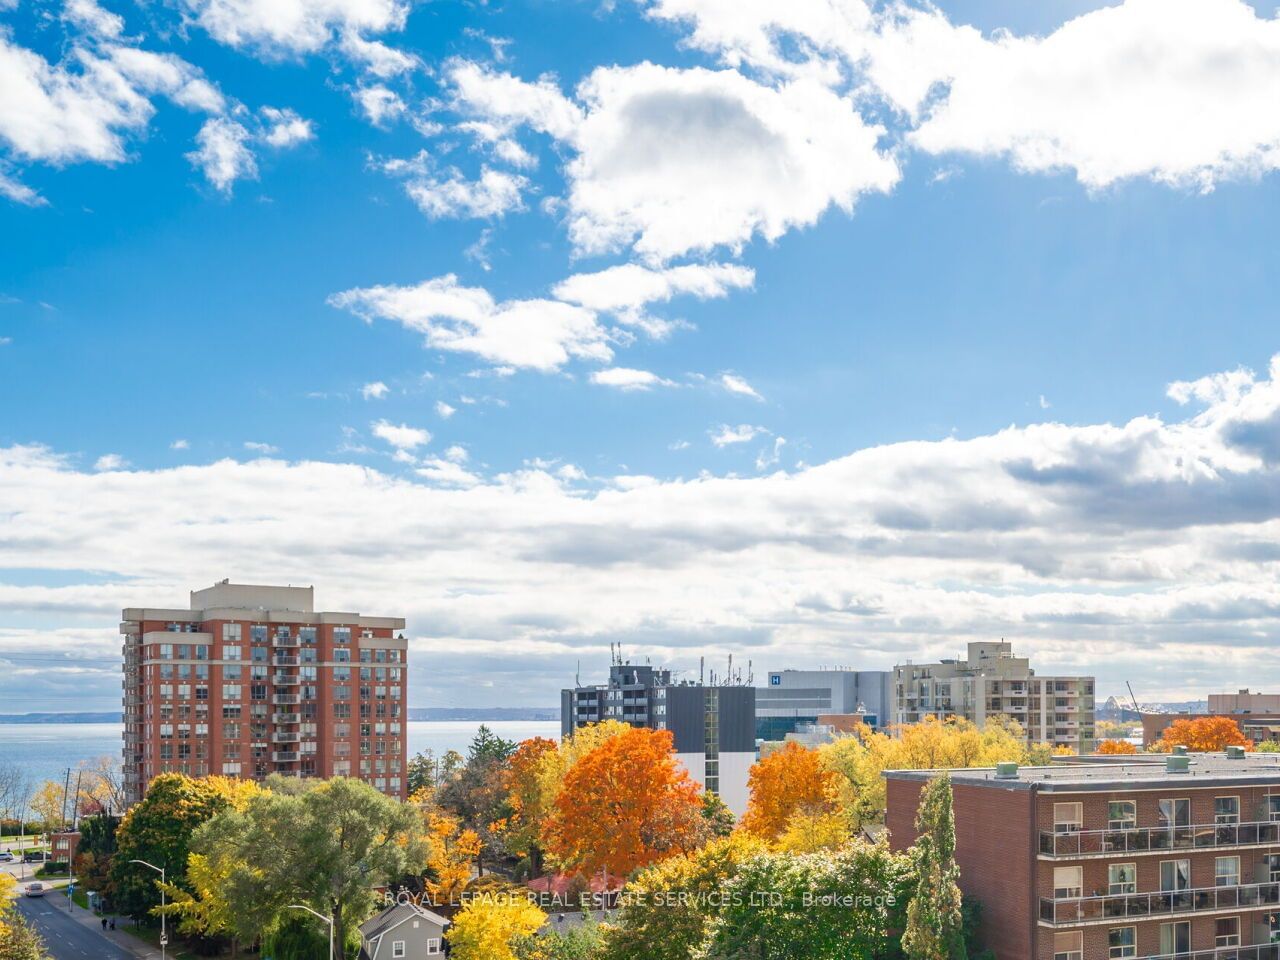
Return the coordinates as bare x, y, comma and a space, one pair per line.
1136, 708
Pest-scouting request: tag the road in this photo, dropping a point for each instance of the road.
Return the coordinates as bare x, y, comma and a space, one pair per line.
66, 938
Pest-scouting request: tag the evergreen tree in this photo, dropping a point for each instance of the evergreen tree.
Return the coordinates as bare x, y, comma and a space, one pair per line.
935, 919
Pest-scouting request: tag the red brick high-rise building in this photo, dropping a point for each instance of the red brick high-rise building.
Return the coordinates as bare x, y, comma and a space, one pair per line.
251, 681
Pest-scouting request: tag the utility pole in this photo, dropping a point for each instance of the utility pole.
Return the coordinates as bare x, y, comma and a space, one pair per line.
164, 935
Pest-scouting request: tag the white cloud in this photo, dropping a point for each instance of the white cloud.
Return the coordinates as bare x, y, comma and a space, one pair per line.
742, 433
678, 161
222, 154
770, 456
626, 290
284, 128
509, 101
110, 461
289, 28
736, 384
1044, 404
89, 16
535, 334
377, 57
625, 378
375, 390
379, 104
1096, 548
402, 437
180, 444
444, 411
1178, 91
255, 446
19, 192
457, 454
446, 472
448, 194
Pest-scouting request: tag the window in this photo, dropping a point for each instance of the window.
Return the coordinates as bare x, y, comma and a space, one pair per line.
1175, 937
1273, 807
397, 948
1175, 875
231, 631
1067, 817
1068, 946
1122, 815
1226, 810
1175, 813
258, 633
433, 946
231, 651
1122, 878
1273, 867
1122, 942
1226, 872
1067, 882
1227, 932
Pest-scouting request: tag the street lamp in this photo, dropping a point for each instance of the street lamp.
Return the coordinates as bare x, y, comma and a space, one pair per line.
164, 936
328, 920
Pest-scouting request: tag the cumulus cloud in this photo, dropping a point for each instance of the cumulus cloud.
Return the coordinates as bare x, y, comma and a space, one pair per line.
375, 390
627, 290
277, 30
222, 153
402, 436
1100, 548
379, 104
444, 411
284, 128
180, 444
110, 461
625, 378
1177, 91
447, 193
534, 334
727, 435
19, 192
257, 446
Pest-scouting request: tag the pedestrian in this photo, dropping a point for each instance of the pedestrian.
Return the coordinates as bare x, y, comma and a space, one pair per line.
104, 924
113, 923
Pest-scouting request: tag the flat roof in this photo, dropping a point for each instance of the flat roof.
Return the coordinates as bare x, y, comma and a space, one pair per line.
1134, 773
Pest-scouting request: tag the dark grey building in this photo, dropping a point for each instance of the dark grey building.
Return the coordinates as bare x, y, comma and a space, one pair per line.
713, 726
404, 931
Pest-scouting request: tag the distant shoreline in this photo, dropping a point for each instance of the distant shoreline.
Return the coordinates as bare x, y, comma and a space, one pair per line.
477, 714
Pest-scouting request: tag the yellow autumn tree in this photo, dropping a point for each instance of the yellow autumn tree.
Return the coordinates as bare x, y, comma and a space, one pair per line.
812, 832
1118, 748
1203, 735
8, 890
494, 928
50, 804
787, 782
450, 853
859, 761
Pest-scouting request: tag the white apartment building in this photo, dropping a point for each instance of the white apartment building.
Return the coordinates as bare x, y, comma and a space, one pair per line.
991, 681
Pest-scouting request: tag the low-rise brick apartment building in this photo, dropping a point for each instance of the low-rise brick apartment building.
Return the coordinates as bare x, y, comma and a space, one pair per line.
1146, 857
252, 680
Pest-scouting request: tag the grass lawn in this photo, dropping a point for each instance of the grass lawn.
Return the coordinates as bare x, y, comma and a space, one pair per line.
45, 874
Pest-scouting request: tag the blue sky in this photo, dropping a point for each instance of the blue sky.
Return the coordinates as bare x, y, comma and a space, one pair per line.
902, 225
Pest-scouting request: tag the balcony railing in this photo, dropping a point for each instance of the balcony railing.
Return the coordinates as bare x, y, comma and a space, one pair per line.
1083, 843
1075, 910
284, 737
285, 660
284, 756
284, 642
285, 680
284, 699
285, 718
1261, 951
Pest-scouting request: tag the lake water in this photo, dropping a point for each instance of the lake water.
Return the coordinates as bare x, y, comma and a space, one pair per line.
46, 750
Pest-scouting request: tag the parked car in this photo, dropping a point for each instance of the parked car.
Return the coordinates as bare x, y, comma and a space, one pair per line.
35, 856
6, 856
36, 889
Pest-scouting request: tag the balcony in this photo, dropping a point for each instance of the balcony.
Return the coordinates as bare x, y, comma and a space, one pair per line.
285, 737
285, 699
1262, 951
284, 756
285, 680
1071, 911
285, 718
1096, 843
284, 660
279, 642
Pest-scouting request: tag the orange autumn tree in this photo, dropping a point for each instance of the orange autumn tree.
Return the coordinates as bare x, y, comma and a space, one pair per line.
1117, 748
787, 782
626, 804
530, 798
1204, 734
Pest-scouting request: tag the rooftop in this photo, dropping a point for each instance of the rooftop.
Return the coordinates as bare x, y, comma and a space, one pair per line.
1140, 772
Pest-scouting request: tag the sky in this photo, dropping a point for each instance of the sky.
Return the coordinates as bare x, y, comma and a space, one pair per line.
819, 333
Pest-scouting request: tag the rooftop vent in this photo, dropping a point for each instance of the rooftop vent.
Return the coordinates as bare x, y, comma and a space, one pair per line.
1235, 753
1006, 771
1179, 751
1177, 763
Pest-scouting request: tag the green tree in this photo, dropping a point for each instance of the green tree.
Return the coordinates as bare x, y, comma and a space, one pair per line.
423, 772
584, 940
477, 793
158, 830
20, 941
327, 848
720, 819
95, 851
935, 918
813, 906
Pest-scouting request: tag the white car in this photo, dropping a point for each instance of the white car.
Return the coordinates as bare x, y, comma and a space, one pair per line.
6, 856
36, 889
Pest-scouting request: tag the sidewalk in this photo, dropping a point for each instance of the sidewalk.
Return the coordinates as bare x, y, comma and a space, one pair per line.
124, 941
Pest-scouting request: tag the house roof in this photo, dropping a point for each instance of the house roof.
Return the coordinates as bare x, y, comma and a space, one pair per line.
393, 916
